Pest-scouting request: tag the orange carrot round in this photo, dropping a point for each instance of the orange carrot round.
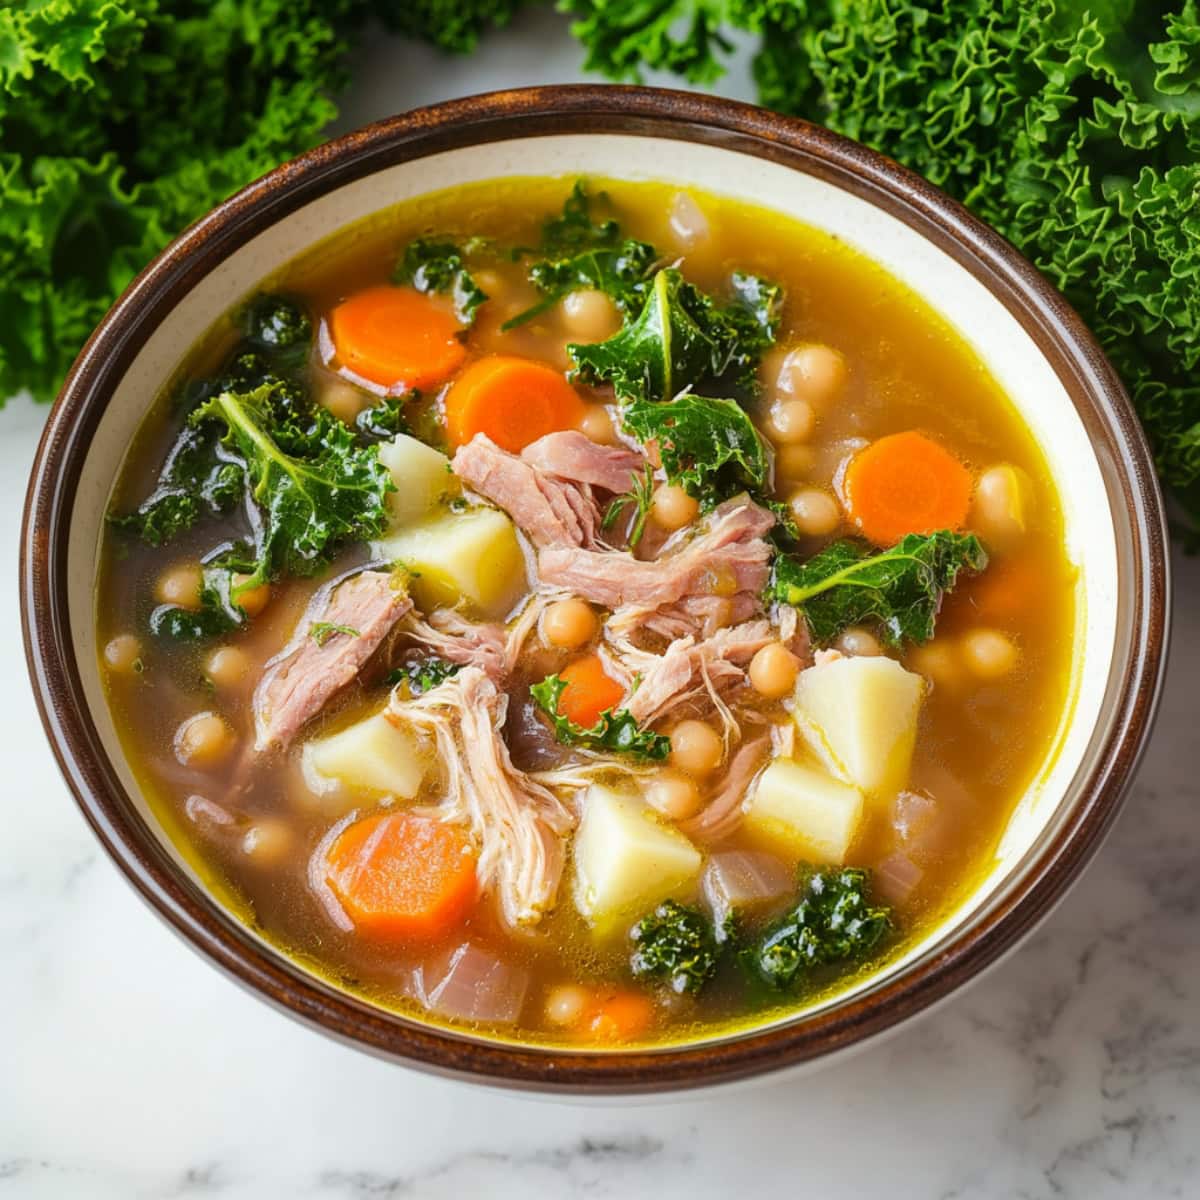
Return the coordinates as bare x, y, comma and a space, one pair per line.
590, 690
620, 1017
396, 337
513, 400
906, 483
402, 876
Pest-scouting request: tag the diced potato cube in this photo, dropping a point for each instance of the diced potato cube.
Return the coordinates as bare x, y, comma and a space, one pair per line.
860, 717
804, 813
371, 755
627, 860
472, 555
421, 475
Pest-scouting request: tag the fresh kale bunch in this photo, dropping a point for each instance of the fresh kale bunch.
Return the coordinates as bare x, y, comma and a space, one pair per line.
832, 923
899, 589
675, 944
615, 732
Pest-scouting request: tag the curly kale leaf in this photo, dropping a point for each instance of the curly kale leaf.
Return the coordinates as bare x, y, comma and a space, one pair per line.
683, 338
381, 422
580, 252
312, 487
422, 675
901, 589
674, 944
616, 732
218, 612
433, 266
279, 326
452, 25
709, 447
832, 923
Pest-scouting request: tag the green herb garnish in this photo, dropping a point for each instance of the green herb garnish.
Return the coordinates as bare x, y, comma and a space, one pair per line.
423, 675
322, 631
641, 496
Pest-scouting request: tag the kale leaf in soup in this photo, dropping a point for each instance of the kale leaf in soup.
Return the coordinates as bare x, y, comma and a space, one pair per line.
549, 617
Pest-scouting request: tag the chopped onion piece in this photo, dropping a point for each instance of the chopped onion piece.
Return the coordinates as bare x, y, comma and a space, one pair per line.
205, 812
472, 984
896, 877
737, 879
687, 220
916, 818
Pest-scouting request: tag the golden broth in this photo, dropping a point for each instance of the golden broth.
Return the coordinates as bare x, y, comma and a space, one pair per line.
980, 742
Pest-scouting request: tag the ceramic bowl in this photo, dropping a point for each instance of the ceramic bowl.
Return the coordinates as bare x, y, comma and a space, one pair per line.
1020, 327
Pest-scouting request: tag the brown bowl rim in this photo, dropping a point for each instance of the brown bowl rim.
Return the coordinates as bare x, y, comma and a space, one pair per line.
1061, 335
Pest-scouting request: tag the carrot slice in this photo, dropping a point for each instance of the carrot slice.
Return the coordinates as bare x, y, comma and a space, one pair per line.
396, 337
513, 400
590, 690
402, 876
906, 483
620, 1017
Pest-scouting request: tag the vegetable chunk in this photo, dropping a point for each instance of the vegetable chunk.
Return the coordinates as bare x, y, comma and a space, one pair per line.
804, 813
626, 860
859, 715
421, 475
472, 556
372, 755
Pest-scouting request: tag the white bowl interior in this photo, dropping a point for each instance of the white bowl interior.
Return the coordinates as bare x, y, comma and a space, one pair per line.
1005, 348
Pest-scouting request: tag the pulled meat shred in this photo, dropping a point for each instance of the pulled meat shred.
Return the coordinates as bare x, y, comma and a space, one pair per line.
305, 675
449, 635
723, 813
521, 826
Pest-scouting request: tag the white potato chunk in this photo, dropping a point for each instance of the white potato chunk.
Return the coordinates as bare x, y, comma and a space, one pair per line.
859, 715
472, 555
371, 755
804, 813
627, 859
421, 475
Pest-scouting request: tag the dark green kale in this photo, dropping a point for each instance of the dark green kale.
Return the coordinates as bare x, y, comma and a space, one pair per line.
577, 252
832, 923
381, 422
313, 487
423, 675
433, 266
709, 447
674, 944
616, 732
684, 338
280, 326
900, 588
197, 479
322, 631
641, 496
218, 613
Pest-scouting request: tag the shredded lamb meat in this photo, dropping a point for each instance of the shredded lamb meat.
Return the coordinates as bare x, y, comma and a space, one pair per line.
521, 826
691, 672
301, 679
728, 557
468, 643
573, 456
723, 813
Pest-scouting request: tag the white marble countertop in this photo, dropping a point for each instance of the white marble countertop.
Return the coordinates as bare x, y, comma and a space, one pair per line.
131, 1070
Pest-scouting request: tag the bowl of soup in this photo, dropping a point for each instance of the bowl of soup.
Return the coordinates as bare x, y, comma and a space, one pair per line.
595, 590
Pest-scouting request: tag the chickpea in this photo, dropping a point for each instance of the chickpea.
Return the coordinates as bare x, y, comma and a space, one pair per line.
675, 796
123, 654
204, 740
814, 373
589, 315
773, 671
344, 400
938, 662
566, 1004
696, 748
857, 642
569, 624
254, 600
672, 508
227, 666
815, 511
999, 509
597, 425
791, 421
988, 653
796, 461
181, 585
267, 841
